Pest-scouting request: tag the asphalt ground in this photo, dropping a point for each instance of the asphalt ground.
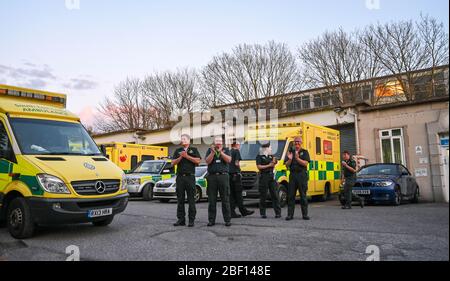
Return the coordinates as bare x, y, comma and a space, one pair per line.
145, 232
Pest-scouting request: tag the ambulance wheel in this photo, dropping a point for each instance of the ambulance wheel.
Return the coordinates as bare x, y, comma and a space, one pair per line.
104, 222
282, 195
326, 194
147, 192
19, 220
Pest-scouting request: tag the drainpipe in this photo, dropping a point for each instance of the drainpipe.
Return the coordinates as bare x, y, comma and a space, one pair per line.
355, 116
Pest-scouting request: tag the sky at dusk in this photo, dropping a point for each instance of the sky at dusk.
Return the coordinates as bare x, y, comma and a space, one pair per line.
84, 48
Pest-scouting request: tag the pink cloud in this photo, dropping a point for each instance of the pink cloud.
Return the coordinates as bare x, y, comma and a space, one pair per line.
87, 116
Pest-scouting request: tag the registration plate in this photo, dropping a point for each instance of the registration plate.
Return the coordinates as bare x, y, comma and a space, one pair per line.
161, 190
361, 192
99, 213
244, 193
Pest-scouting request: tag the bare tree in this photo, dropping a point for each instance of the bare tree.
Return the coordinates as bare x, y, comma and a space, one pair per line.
399, 48
337, 60
436, 43
125, 110
171, 94
252, 75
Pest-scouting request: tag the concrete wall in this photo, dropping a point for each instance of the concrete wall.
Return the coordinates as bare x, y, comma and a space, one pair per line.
421, 125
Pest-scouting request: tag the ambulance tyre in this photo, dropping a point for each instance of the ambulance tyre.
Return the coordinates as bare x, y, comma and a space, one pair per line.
19, 220
326, 194
103, 222
282, 195
147, 192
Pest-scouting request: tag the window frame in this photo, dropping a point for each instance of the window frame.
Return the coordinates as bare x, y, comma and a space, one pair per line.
391, 138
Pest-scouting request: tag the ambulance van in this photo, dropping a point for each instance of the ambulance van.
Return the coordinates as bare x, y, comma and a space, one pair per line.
127, 156
322, 143
51, 171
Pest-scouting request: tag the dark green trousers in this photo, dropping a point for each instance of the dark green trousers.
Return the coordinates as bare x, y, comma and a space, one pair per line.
236, 199
267, 183
186, 186
219, 184
348, 191
298, 181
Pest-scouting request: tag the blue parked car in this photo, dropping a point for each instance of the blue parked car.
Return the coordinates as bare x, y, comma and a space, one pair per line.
386, 183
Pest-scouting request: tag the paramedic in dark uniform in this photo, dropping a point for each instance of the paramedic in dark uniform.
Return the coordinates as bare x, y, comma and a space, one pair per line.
186, 158
349, 178
266, 162
218, 159
236, 199
297, 161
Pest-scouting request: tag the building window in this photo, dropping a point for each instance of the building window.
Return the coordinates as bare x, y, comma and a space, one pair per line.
366, 92
392, 146
299, 103
318, 100
324, 99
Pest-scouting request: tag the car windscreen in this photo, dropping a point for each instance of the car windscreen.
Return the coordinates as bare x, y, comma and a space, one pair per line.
249, 150
200, 171
147, 167
379, 170
47, 137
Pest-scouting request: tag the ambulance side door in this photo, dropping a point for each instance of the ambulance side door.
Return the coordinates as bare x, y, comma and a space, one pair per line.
309, 144
7, 156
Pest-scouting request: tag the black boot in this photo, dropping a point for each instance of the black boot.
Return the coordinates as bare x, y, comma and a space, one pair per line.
235, 216
179, 223
247, 213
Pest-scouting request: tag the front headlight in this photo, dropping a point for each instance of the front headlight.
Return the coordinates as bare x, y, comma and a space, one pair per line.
52, 184
133, 181
383, 183
124, 182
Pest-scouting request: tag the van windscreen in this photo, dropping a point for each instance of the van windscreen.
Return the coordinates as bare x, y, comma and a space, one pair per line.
250, 149
47, 137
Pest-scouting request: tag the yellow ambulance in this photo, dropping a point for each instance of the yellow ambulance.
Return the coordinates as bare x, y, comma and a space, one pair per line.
322, 143
51, 171
127, 156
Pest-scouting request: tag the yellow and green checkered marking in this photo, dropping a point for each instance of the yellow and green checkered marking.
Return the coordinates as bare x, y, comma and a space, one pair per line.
7, 168
324, 170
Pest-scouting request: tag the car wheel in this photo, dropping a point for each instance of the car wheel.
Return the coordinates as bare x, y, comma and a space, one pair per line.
282, 195
103, 222
198, 194
416, 196
398, 197
342, 199
164, 200
147, 192
19, 220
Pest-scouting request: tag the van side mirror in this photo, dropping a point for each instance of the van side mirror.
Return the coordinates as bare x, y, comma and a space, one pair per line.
7, 154
103, 149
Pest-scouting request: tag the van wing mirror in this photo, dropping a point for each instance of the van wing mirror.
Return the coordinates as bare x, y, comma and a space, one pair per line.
103, 149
